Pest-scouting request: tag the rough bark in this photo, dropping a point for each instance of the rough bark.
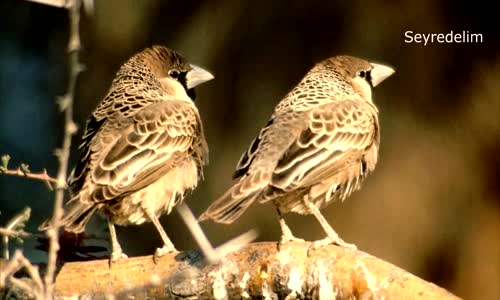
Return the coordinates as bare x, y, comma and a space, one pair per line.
257, 271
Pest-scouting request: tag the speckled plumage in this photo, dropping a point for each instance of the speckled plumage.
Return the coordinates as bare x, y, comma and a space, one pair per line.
143, 146
320, 143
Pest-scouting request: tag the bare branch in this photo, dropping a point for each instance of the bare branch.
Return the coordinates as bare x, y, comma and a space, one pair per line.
66, 106
19, 220
14, 228
24, 171
13, 233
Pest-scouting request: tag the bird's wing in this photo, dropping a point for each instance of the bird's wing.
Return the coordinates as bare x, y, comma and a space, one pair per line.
77, 176
151, 142
336, 134
253, 171
249, 155
94, 125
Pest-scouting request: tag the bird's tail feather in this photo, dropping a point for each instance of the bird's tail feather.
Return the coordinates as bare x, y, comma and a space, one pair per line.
235, 201
76, 216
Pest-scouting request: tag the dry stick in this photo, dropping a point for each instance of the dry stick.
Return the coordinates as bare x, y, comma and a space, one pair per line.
213, 255
66, 105
196, 231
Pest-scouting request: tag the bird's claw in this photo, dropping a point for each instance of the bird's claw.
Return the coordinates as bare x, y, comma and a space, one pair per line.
287, 239
162, 251
116, 256
332, 240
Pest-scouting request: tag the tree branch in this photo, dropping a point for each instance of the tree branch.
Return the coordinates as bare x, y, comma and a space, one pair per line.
256, 271
66, 106
43, 176
24, 171
13, 233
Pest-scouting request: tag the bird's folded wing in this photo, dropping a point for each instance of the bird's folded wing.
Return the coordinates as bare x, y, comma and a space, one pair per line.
335, 135
249, 155
158, 137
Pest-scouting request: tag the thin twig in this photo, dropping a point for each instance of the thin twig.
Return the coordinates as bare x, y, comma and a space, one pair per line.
9, 233
213, 255
24, 171
197, 232
13, 233
56, 3
42, 176
15, 227
66, 106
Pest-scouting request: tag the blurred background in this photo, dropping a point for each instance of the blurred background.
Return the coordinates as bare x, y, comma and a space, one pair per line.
432, 206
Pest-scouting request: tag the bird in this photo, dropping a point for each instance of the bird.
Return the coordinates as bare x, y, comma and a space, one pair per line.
143, 147
320, 143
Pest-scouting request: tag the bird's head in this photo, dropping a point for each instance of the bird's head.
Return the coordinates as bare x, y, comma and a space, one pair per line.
176, 76
357, 75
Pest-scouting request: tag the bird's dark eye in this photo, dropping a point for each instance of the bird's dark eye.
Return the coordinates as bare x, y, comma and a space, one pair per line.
362, 74
174, 74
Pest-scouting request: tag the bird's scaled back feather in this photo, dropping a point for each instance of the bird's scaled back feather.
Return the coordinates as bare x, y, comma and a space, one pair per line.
145, 147
336, 133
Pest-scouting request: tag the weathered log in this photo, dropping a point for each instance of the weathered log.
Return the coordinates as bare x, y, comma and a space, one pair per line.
257, 271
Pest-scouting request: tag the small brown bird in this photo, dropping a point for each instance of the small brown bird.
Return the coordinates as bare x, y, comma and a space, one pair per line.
319, 145
143, 147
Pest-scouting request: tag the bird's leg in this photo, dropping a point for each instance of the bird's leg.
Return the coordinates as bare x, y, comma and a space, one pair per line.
116, 249
332, 236
168, 247
286, 233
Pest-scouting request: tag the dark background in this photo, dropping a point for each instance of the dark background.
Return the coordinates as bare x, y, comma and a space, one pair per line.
431, 207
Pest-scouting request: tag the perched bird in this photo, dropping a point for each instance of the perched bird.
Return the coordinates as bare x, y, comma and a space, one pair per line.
143, 147
320, 143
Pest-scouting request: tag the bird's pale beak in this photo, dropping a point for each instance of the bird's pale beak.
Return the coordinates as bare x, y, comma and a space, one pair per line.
197, 76
379, 73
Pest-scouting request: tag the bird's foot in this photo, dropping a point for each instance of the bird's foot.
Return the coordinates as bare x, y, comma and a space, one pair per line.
162, 251
332, 240
286, 239
290, 239
116, 256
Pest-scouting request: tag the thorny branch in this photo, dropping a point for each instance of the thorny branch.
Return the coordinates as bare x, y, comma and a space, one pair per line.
45, 289
24, 171
66, 106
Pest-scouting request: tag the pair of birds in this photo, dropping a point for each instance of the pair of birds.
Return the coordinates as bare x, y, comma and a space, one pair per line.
144, 147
